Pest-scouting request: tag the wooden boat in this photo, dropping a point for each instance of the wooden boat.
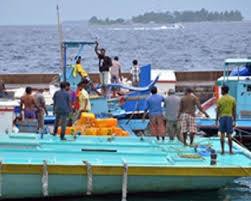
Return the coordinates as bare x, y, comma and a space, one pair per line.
33, 167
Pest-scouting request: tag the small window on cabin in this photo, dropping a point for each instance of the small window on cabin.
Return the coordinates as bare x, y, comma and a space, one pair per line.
249, 87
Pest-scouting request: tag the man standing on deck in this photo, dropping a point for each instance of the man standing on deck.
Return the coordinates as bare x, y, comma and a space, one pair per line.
40, 102
78, 69
72, 95
186, 115
135, 72
84, 99
116, 76
28, 104
154, 106
105, 63
2, 89
226, 114
62, 109
171, 111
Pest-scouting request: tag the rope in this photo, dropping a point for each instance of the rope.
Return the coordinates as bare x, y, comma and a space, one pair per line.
242, 131
45, 178
240, 142
124, 182
89, 177
1, 179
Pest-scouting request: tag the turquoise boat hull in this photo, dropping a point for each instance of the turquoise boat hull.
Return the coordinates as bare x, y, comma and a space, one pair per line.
29, 186
32, 167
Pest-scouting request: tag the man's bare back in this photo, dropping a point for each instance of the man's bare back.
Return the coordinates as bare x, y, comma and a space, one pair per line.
28, 104
28, 101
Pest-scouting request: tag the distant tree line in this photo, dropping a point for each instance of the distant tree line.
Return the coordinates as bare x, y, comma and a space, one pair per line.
174, 17
107, 21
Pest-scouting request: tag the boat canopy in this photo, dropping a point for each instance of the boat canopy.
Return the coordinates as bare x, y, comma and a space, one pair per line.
240, 61
76, 44
164, 75
234, 78
72, 44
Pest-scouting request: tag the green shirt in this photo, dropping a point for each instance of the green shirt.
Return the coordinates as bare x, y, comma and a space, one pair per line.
225, 105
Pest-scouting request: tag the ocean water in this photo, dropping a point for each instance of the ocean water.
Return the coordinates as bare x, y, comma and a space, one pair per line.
191, 46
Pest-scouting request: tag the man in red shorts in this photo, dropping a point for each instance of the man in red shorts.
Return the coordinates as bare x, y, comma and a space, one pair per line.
154, 106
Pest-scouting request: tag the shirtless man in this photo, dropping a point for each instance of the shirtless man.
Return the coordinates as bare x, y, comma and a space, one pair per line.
188, 104
28, 105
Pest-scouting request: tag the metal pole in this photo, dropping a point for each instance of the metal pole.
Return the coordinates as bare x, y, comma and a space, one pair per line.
224, 73
238, 72
64, 62
61, 38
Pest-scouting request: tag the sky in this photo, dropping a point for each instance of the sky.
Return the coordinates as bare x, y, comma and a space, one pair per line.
32, 12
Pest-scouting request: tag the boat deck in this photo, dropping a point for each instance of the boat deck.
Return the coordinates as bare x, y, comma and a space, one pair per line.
102, 165
113, 151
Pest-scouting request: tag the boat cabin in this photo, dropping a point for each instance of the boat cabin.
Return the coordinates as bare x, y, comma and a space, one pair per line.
239, 82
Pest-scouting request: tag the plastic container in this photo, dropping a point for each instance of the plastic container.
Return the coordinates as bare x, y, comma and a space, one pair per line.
109, 122
124, 133
87, 118
104, 131
91, 131
68, 130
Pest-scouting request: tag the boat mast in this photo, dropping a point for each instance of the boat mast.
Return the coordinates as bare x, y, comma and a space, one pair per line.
61, 45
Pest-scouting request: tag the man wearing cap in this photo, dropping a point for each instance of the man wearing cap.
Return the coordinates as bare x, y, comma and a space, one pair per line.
171, 111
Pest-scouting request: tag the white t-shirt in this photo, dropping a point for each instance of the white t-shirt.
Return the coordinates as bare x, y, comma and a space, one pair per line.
84, 96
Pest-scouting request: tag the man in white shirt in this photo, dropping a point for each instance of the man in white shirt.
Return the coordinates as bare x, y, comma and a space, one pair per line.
135, 71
